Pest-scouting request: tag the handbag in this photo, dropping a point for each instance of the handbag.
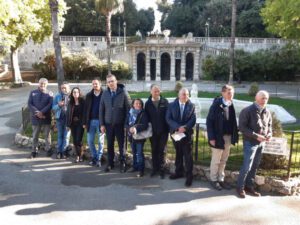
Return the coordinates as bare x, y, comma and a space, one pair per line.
143, 134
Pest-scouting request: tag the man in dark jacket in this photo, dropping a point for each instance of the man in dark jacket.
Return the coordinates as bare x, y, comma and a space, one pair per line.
181, 119
222, 133
91, 121
255, 122
40, 103
114, 107
156, 108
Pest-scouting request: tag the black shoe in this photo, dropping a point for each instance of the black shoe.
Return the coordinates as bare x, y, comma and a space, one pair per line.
188, 182
33, 155
175, 176
108, 168
131, 170
216, 185
50, 152
225, 185
153, 173
162, 175
59, 155
241, 193
140, 174
122, 167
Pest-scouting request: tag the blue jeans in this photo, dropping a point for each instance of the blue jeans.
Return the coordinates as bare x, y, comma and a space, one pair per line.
138, 156
252, 157
63, 136
93, 129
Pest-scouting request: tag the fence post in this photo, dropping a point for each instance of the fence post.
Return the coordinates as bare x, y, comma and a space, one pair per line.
290, 157
197, 141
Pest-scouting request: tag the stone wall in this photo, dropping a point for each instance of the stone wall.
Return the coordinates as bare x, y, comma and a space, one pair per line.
264, 184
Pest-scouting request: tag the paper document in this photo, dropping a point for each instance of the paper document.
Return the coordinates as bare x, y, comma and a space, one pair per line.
177, 136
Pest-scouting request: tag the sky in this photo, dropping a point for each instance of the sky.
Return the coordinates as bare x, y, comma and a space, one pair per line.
145, 4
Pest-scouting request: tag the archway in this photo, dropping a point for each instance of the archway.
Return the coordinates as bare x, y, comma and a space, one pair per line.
141, 66
189, 66
177, 68
165, 66
153, 69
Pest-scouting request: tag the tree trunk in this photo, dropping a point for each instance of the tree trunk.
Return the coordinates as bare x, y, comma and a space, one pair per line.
108, 40
15, 66
56, 41
232, 42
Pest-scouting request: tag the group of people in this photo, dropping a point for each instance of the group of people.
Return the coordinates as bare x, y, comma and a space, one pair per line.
112, 113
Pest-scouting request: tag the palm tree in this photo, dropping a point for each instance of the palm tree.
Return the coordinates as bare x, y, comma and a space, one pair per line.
232, 42
56, 41
108, 8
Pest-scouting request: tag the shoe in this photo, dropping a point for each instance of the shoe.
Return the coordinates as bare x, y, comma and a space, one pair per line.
33, 155
98, 164
140, 174
252, 192
92, 163
131, 170
241, 193
76, 160
122, 167
59, 155
63, 156
162, 175
108, 168
225, 185
50, 152
216, 185
175, 176
80, 159
153, 173
188, 182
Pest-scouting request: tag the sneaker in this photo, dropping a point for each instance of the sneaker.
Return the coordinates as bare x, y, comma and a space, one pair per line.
122, 167
140, 174
80, 159
108, 168
98, 164
77, 159
216, 185
59, 155
92, 163
252, 192
241, 193
225, 185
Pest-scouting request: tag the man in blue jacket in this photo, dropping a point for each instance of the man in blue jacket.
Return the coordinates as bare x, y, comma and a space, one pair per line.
40, 103
59, 107
181, 119
222, 133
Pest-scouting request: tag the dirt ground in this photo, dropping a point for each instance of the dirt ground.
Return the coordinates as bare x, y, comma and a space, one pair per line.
30, 76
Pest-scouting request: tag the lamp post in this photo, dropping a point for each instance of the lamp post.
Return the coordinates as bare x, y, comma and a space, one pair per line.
124, 26
207, 29
119, 29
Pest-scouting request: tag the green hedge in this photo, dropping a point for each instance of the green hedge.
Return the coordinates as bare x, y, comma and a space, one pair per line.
274, 64
82, 66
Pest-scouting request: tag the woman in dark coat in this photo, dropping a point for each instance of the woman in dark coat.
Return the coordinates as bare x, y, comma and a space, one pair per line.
74, 121
137, 121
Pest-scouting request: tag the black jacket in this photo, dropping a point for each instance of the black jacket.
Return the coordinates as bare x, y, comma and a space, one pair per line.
114, 111
215, 122
157, 116
188, 120
70, 110
140, 124
88, 108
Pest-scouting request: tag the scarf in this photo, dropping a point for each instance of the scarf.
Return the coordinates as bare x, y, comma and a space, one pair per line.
133, 113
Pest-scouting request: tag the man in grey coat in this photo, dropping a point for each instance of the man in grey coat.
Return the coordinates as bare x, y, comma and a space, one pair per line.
255, 123
114, 106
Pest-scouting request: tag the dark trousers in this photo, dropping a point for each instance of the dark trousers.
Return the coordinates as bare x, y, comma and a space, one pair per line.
77, 134
184, 150
112, 132
158, 147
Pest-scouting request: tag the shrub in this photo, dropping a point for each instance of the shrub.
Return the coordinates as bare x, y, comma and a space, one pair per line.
254, 88
178, 86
